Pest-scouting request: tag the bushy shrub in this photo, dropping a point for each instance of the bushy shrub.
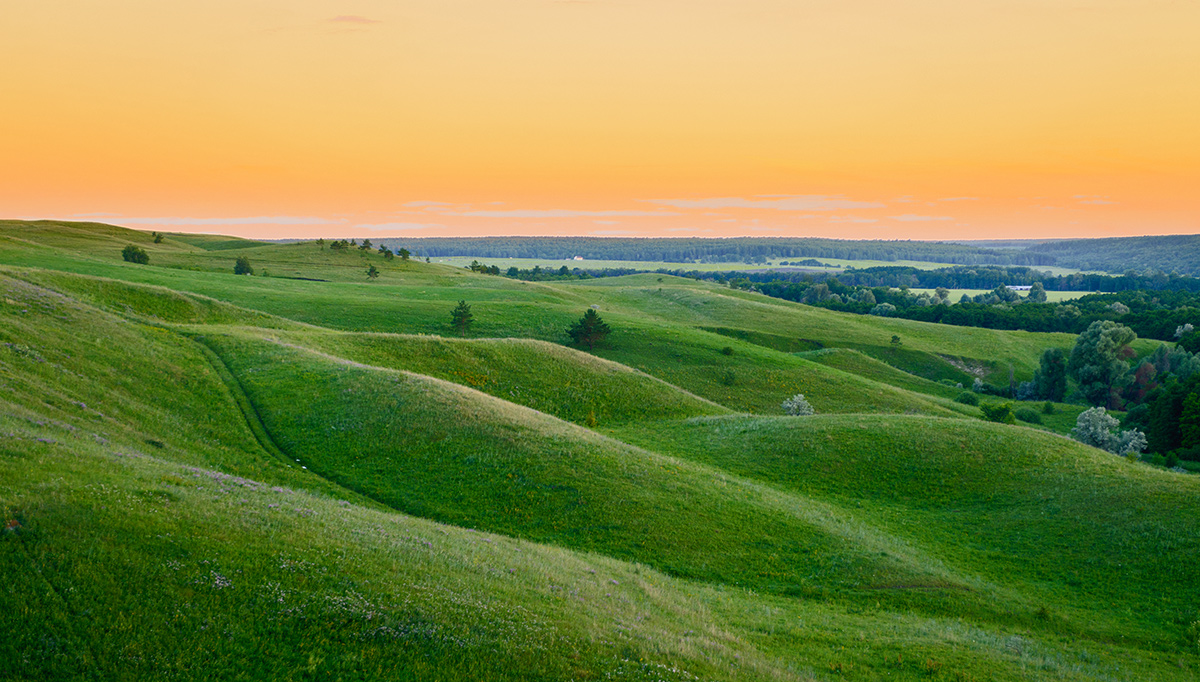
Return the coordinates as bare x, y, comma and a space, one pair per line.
1095, 427
884, 310
1027, 390
135, 254
967, 398
797, 406
242, 266
1001, 413
1028, 415
727, 350
1049, 408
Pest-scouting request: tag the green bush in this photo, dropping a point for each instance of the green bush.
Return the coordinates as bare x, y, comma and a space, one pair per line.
1029, 415
967, 398
242, 266
1001, 413
135, 254
1049, 408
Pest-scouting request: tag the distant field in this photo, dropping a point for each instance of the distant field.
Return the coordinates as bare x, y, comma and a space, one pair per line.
650, 266
1052, 296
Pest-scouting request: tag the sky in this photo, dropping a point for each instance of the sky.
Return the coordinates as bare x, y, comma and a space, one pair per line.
863, 119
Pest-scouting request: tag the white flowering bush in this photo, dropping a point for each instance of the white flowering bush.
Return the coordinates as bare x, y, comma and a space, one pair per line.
1095, 427
797, 406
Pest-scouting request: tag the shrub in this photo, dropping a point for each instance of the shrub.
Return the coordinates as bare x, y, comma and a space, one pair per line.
727, 350
1027, 390
1049, 408
1095, 427
135, 254
884, 310
967, 398
372, 272
242, 266
728, 377
797, 406
461, 318
1028, 415
1001, 413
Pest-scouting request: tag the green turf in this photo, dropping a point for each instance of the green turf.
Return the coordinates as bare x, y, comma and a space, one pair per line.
503, 507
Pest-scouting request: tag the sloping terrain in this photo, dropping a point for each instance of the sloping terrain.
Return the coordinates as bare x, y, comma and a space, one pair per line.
221, 477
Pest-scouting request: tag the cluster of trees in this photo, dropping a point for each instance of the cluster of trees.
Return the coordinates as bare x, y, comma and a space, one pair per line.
539, 274
1161, 392
739, 250
382, 249
1152, 314
1171, 252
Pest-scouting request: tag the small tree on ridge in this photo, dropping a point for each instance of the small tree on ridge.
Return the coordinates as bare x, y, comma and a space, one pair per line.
461, 318
589, 330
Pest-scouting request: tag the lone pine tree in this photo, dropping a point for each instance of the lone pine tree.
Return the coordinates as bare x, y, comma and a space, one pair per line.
461, 318
589, 330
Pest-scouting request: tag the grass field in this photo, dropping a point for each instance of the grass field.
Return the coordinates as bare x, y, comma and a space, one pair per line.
207, 476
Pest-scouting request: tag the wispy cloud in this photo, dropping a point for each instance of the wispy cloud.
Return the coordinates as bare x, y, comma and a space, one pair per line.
251, 220
1094, 199
613, 233
562, 213
960, 199
353, 19
911, 218
427, 204
788, 203
398, 226
851, 219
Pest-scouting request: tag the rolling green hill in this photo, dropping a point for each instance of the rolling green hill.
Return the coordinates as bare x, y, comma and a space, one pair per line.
208, 476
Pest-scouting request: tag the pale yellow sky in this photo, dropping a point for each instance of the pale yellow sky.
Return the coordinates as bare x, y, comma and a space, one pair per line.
656, 117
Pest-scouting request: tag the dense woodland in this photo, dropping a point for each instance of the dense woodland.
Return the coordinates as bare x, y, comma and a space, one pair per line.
737, 250
1169, 254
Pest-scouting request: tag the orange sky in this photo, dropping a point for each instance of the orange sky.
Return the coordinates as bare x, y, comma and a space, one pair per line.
924, 119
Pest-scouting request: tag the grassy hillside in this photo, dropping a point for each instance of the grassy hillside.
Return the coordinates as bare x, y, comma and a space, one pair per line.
207, 476
1066, 523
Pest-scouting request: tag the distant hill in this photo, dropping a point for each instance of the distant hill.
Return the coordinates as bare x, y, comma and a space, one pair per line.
744, 249
1167, 253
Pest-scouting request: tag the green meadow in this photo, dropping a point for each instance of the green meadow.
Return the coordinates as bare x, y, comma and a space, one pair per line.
308, 474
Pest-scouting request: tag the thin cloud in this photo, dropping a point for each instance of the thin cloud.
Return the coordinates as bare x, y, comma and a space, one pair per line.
851, 219
427, 204
911, 218
790, 203
960, 199
561, 213
252, 220
613, 233
1098, 202
353, 19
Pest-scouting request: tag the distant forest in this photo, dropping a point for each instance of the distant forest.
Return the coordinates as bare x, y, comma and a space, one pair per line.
1166, 254
736, 250
1179, 253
